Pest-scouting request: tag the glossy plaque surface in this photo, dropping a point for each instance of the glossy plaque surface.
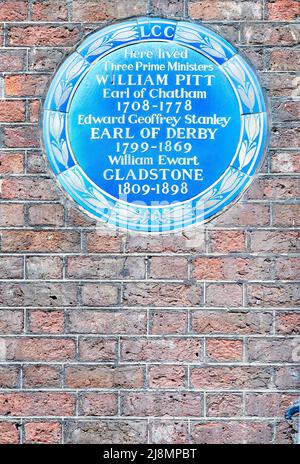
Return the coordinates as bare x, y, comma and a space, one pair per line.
154, 125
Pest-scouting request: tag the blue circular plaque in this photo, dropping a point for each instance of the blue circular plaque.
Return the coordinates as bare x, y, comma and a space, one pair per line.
155, 125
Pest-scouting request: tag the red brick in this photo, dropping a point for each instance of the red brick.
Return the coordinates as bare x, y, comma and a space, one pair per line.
98, 242
33, 110
49, 10
12, 60
167, 322
275, 188
11, 321
224, 241
232, 432
36, 294
11, 267
286, 215
287, 268
208, 268
159, 349
107, 322
21, 137
40, 241
161, 294
270, 350
232, 268
100, 294
284, 295
167, 376
229, 295
88, 10
25, 85
164, 431
46, 215
97, 349
9, 433
218, 322
226, 9
268, 404
82, 376
12, 111
41, 376
283, 10
44, 432
39, 349
9, 377
224, 405
79, 219
37, 404
46, 322
44, 267
287, 323
27, 188
11, 163
164, 267
220, 377
274, 241
43, 35
222, 350
286, 432
284, 59
241, 214
187, 404
98, 404
13, 10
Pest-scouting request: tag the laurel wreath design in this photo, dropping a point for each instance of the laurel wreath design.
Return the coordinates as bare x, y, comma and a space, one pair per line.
206, 43
244, 87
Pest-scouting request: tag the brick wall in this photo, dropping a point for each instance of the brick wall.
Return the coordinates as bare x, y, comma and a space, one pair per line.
187, 338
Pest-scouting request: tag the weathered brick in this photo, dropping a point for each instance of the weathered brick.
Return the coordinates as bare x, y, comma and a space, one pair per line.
94, 267
27, 188
232, 432
161, 294
54, 10
98, 404
41, 376
273, 34
286, 432
171, 243
284, 59
25, 85
175, 7
168, 322
45, 322
288, 162
21, 137
229, 295
43, 35
268, 404
164, 431
218, 322
13, 10
270, 350
287, 268
286, 215
164, 267
12, 111
99, 241
11, 267
97, 349
11, 321
11, 163
159, 349
82, 376
9, 377
226, 9
37, 404
286, 111
287, 323
287, 377
281, 84
45, 59
40, 241
44, 267
187, 404
268, 295
283, 10
240, 215
80, 219
38, 349
107, 322
224, 405
12, 60
274, 241
43, 432
167, 376
46, 215
88, 10
9, 433
100, 294
106, 432
222, 350
38, 294
220, 377
275, 188
36, 164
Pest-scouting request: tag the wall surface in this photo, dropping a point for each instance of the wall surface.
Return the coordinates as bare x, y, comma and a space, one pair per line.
187, 338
